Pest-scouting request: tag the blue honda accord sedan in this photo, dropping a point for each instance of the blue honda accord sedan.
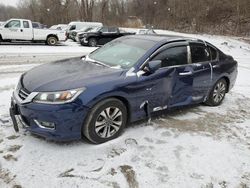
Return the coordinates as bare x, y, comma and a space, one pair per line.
126, 80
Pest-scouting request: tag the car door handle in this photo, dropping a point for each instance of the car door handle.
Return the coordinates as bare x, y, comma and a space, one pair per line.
216, 66
21, 30
185, 73
197, 64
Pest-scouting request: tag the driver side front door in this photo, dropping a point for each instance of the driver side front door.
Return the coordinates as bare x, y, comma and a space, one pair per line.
12, 30
169, 85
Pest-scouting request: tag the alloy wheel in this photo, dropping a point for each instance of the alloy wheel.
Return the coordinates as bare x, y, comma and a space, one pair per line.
108, 122
219, 92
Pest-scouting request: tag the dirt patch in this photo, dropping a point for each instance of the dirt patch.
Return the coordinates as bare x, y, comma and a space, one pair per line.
6, 176
116, 152
131, 142
17, 186
67, 174
14, 148
112, 172
111, 184
12, 137
130, 176
212, 123
9, 157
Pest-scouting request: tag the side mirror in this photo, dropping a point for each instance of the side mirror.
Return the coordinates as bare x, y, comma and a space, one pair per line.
154, 66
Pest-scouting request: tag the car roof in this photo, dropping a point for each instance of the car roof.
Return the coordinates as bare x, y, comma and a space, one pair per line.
164, 38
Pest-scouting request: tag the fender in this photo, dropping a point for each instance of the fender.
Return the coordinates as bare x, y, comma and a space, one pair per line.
225, 76
119, 95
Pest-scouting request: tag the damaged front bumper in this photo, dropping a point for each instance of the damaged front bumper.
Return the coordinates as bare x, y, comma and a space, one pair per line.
54, 122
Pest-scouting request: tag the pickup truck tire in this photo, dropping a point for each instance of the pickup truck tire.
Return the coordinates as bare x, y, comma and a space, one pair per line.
92, 42
52, 41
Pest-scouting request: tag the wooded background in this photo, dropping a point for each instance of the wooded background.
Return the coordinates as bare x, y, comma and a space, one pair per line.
231, 17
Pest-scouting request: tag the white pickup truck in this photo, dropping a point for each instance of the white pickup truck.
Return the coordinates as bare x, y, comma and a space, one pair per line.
22, 30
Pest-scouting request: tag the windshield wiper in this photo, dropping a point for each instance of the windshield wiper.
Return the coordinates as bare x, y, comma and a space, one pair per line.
99, 63
95, 62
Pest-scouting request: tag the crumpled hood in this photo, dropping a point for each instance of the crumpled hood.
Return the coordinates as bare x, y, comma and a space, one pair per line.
67, 74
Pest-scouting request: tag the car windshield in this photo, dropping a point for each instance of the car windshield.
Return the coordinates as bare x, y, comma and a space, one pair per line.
87, 29
122, 53
95, 29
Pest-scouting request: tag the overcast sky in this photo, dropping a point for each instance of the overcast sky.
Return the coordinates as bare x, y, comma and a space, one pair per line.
9, 2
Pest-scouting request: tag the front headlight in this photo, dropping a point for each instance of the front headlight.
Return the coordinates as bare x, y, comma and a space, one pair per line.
60, 97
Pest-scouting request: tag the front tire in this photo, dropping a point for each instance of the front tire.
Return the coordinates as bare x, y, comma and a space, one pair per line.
106, 121
92, 42
51, 41
218, 93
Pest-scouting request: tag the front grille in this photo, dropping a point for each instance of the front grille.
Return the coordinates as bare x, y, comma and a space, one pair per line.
23, 94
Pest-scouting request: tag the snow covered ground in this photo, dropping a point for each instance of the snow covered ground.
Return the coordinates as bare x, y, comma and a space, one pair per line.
193, 147
39, 53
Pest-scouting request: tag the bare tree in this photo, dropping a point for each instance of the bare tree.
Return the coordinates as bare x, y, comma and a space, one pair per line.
210, 16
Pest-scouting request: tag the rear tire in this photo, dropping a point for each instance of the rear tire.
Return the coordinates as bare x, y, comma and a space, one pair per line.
218, 93
92, 42
105, 121
51, 41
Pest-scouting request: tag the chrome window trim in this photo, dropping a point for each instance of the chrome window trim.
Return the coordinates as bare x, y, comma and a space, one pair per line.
189, 55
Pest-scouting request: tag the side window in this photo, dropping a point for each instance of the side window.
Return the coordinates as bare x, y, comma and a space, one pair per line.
173, 56
213, 53
26, 24
112, 30
13, 24
104, 30
199, 53
35, 25
73, 27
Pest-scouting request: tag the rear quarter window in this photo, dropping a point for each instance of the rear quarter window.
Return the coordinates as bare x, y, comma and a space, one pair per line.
213, 53
199, 53
26, 24
35, 25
